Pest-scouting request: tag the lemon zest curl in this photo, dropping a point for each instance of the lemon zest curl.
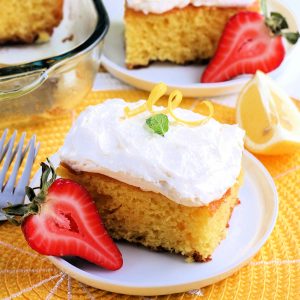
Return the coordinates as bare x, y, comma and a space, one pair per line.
174, 102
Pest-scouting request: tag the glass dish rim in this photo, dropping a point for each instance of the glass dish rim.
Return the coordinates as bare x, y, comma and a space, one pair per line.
98, 34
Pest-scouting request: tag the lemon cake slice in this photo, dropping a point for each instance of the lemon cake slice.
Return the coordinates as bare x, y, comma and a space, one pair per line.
28, 20
174, 191
178, 31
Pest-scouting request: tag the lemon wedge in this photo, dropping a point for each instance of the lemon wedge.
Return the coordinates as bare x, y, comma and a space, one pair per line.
270, 118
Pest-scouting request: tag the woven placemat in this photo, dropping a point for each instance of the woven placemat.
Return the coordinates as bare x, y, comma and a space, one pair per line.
274, 273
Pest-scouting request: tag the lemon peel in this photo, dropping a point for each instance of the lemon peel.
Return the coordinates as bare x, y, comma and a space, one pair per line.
157, 92
133, 112
174, 102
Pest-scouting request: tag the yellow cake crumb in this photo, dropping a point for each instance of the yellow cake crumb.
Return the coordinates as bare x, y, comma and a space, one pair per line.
153, 220
26, 21
180, 35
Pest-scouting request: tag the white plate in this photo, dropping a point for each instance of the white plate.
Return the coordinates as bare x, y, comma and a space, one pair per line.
147, 272
185, 78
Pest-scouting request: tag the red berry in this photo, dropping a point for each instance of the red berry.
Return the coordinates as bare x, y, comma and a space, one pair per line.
64, 220
246, 45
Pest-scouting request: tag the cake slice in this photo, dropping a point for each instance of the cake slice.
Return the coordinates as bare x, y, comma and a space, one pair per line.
28, 20
174, 192
176, 31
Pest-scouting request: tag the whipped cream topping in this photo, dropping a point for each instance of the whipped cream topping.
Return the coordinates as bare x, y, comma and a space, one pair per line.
192, 166
161, 6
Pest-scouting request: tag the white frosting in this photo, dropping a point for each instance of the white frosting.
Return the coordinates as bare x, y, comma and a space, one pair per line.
161, 6
192, 166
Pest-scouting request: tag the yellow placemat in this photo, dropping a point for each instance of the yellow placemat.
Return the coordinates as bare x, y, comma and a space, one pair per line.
274, 273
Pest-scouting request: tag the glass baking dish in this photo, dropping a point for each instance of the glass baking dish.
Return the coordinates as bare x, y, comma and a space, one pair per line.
53, 85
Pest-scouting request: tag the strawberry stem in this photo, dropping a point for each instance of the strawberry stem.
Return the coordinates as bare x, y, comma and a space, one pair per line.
264, 8
17, 213
276, 23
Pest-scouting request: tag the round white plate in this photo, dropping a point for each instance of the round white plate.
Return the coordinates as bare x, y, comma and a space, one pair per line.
185, 78
146, 272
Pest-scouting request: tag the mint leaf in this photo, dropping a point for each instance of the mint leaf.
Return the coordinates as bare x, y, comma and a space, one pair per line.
158, 123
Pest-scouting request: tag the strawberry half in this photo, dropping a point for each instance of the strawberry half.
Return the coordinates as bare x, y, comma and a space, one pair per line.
63, 220
250, 42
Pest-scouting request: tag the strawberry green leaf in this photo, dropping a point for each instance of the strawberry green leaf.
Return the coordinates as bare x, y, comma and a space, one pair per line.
276, 22
17, 210
280, 20
158, 123
292, 37
17, 213
30, 193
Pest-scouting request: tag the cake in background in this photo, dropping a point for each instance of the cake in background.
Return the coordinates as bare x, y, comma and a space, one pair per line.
28, 21
179, 31
165, 185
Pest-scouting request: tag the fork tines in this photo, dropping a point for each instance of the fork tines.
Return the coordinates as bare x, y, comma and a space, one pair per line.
13, 193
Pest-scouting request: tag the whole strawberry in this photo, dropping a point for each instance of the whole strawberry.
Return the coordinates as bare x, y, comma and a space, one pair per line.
62, 219
250, 42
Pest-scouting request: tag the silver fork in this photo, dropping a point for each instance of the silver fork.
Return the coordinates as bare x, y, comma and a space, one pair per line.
12, 193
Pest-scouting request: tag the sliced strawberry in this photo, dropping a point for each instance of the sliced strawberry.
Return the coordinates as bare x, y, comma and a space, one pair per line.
65, 221
247, 45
